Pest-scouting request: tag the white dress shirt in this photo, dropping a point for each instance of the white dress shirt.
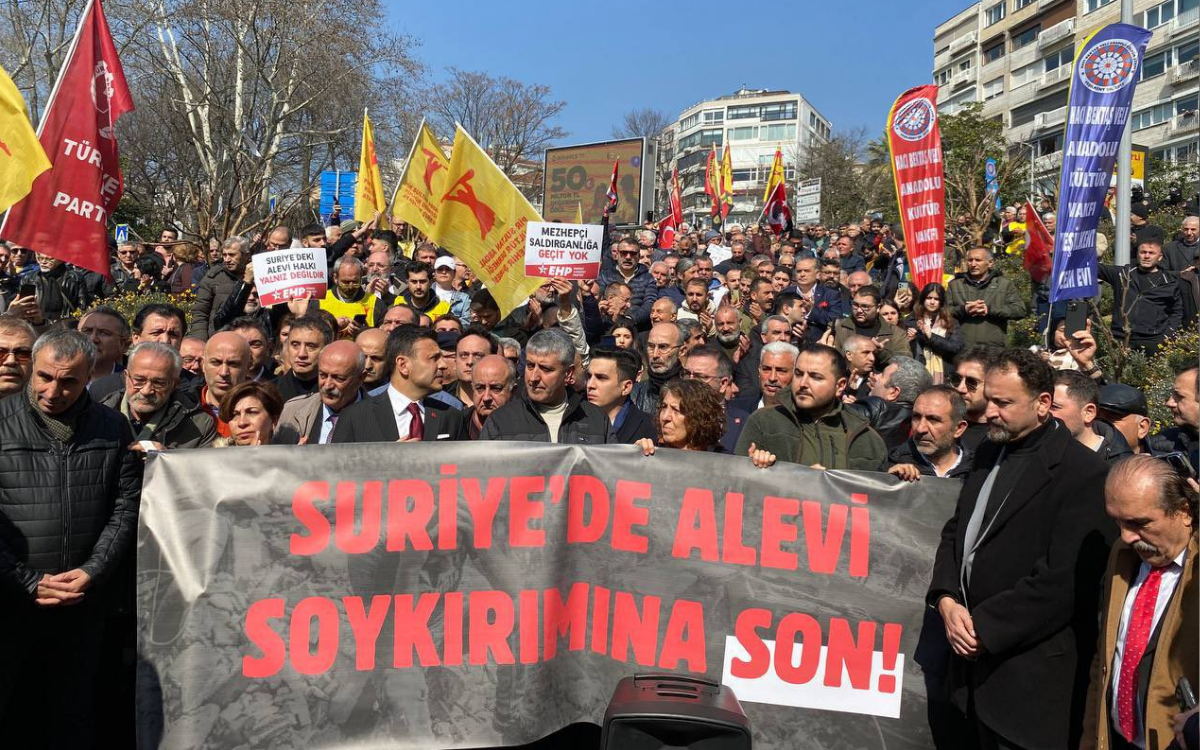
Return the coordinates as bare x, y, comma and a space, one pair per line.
400, 404
1166, 587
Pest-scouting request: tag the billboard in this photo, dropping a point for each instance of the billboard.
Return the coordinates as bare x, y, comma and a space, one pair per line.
577, 177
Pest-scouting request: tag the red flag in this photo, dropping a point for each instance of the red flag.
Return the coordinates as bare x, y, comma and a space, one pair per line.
1038, 244
916, 154
613, 198
676, 199
779, 216
66, 213
670, 225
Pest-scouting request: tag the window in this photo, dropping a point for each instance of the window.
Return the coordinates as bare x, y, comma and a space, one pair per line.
743, 134
940, 50
1158, 15
1185, 152
1023, 3
995, 14
1057, 59
1187, 52
943, 78
1027, 74
713, 136
697, 158
965, 64
993, 89
1096, 4
779, 111
1155, 65
745, 175
1148, 118
994, 53
742, 112
1026, 37
782, 132
689, 121
812, 119
714, 116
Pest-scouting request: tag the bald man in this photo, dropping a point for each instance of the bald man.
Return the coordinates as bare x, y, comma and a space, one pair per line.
373, 343
310, 419
226, 363
492, 381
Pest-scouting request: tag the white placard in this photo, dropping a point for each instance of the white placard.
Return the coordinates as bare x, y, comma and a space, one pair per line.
569, 251
291, 273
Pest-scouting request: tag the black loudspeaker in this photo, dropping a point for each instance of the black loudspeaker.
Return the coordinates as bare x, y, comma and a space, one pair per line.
666, 711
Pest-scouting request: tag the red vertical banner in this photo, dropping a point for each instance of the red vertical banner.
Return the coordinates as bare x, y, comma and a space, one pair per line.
916, 152
66, 213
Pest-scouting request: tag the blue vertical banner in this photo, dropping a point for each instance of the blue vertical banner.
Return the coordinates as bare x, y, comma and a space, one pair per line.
993, 187
1107, 65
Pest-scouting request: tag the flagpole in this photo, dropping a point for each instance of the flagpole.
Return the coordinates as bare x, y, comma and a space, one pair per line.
1124, 178
62, 71
411, 150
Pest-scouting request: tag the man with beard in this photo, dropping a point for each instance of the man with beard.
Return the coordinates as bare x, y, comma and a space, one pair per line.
864, 320
1017, 570
217, 285
983, 301
729, 334
939, 419
746, 373
157, 412
256, 336
662, 349
1075, 405
378, 283
760, 305
1185, 408
967, 379
493, 379
310, 419
889, 407
348, 302
776, 366
305, 340
419, 293
373, 343
860, 354
642, 286
808, 424
16, 354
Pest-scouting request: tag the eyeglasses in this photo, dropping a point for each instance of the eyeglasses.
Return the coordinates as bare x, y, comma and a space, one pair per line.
661, 347
138, 382
864, 308
21, 353
955, 380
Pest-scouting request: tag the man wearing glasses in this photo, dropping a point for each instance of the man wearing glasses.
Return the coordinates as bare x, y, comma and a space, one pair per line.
967, 379
156, 411
643, 290
864, 320
16, 354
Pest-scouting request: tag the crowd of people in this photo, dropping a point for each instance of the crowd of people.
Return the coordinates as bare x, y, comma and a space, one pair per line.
812, 348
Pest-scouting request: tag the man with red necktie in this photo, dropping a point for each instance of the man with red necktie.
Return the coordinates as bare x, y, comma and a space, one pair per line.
1149, 631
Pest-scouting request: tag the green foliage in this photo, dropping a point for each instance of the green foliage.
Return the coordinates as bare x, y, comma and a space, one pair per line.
1159, 375
856, 177
129, 303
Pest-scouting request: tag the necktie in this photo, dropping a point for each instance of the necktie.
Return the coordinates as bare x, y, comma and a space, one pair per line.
332, 424
1137, 636
416, 428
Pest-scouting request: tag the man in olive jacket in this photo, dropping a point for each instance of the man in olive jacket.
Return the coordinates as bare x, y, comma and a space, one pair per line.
983, 301
69, 493
809, 426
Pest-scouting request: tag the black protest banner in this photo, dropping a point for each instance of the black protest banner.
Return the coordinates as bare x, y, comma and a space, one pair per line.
474, 594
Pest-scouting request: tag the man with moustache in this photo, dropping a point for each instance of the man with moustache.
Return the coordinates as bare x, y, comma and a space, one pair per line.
310, 419
16, 354
1017, 570
373, 343
939, 418
158, 412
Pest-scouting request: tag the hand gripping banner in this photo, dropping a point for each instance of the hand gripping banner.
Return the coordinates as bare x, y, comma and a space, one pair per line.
426, 596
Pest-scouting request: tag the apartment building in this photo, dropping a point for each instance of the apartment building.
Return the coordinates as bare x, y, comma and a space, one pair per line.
754, 122
1015, 57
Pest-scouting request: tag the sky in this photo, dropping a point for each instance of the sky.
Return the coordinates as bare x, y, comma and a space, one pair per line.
849, 59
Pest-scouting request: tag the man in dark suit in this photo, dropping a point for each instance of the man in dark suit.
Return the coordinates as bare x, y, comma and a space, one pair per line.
1150, 610
404, 410
1019, 565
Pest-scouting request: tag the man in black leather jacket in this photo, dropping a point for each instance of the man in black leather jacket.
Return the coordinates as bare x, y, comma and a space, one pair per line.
889, 407
69, 492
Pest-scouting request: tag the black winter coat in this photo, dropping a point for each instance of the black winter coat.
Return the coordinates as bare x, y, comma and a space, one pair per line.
65, 506
583, 423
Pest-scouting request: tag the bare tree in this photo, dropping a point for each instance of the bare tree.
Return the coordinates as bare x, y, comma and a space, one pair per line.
510, 119
851, 182
642, 123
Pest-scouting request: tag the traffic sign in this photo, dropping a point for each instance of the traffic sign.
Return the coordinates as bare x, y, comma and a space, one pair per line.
121, 234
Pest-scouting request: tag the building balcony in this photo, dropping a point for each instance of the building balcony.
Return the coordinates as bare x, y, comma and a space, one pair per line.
1044, 4
1056, 33
1052, 78
963, 77
1183, 123
1020, 133
941, 60
1186, 72
992, 69
1055, 118
963, 43
1188, 19
1022, 57
1048, 163
1019, 93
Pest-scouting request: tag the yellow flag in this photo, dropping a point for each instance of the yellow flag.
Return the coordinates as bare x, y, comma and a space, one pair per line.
776, 175
481, 220
423, 183
368, 191
579, 212
21, 156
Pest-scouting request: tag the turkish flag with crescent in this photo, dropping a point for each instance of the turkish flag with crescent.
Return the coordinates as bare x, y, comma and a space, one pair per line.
66, 213
1038, 245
